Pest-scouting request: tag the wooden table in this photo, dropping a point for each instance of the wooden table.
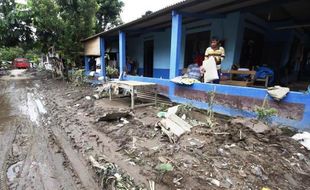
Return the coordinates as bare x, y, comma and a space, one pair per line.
134, 86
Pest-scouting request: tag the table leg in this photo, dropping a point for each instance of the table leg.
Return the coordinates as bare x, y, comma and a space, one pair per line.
132, 97
110, 92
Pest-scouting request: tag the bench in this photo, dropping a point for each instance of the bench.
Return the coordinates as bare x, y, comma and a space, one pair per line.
248, 82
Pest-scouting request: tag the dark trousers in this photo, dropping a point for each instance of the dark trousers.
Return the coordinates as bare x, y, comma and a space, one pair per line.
218, 80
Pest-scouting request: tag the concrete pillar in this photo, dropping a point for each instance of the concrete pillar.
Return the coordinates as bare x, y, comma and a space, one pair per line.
176, 43
102, 60
122, 52
86, 64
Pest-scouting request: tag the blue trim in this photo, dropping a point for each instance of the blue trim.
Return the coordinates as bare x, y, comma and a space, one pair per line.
176, 43
122, 52
256, 93
102, 60
86, 65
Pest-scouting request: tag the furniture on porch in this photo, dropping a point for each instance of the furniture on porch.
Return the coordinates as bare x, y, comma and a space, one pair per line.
248, 82
265, 80
133, 87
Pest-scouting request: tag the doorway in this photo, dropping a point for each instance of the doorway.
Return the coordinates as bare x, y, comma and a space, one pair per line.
148, 58
195, 47
252, 49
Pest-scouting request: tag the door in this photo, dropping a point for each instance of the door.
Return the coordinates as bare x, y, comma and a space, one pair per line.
148, 58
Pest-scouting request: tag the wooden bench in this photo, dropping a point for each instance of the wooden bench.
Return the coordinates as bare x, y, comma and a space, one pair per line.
248, 82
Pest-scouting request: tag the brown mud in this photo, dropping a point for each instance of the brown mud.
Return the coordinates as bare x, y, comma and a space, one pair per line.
49, 131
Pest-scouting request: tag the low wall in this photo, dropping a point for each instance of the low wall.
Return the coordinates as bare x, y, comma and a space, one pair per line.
293, 110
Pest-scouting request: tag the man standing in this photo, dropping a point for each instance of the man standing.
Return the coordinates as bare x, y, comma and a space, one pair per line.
218, 53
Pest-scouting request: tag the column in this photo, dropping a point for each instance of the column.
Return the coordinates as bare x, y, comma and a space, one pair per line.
176, 42
122, 53
102, 59
86, 65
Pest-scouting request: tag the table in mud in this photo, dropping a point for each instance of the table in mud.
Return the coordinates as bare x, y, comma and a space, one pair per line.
134, 86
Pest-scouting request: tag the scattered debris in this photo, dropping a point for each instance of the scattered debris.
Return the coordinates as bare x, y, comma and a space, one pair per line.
214, 182
255, 125
114, 115
174, 125
111, 176
88, 98
167, 167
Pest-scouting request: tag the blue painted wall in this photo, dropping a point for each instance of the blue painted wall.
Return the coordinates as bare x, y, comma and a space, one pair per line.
255, 93
229, 29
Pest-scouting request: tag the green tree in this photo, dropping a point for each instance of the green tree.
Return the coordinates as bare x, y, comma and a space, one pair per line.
79, 21
108, 14
10, 53
15, 24
49, 26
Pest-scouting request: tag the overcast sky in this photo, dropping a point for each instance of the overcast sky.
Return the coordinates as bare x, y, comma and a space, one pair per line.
134, 9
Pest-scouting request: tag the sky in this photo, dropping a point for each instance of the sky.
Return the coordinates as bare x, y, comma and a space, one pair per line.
134, 9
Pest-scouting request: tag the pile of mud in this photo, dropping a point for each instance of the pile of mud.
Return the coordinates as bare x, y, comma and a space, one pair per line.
229, 155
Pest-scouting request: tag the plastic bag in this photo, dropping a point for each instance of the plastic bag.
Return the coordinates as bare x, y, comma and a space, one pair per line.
210, 69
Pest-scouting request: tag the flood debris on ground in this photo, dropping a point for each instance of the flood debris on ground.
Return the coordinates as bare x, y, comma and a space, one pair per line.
105, 141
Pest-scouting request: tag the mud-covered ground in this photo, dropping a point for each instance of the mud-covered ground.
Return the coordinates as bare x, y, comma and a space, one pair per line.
51, 139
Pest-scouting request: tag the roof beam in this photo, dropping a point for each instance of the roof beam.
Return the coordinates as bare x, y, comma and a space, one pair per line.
201, 15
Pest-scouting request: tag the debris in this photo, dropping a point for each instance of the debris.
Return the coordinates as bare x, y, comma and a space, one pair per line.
95, 163
114, 115
303, 138
96, 96
111, 176
278, 92
167, 167
174, 125
88, 98
256, 170
162, 159
152, 184
172, 110
255, 125
177, 180
214, 181
242, 173
265, 188
125, 121
161, 114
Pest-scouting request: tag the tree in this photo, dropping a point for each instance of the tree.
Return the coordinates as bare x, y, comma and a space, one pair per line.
108, 14
147, 13
10, 53
15, 24
79, 21
49, 26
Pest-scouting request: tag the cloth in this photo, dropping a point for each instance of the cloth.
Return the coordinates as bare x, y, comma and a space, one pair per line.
218, 54
199, 59
263, 72
278, 92
210, 70
185, 80
194, 71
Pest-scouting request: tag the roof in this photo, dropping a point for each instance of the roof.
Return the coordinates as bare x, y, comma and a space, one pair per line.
162, 18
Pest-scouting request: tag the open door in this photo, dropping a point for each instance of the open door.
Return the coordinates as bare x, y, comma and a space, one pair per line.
148, 58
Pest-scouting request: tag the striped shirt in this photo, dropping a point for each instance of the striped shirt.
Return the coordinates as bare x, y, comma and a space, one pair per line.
218, 54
